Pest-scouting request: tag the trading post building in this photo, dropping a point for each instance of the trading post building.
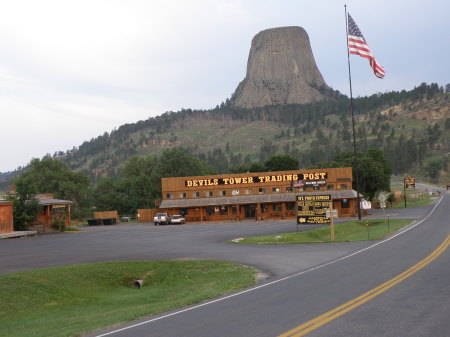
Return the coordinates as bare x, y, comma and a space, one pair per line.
256, 195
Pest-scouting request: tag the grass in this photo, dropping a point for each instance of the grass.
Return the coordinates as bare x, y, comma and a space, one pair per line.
422, 200
414, 198
77, 299
344, 232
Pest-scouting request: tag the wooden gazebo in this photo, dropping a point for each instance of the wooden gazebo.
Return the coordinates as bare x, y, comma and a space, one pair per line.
52, 209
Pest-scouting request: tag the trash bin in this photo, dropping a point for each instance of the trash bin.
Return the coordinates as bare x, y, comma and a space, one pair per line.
108, 221
94, 222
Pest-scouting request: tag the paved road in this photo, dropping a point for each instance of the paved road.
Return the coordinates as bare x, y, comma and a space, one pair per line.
305, 280
417, 306
189, 241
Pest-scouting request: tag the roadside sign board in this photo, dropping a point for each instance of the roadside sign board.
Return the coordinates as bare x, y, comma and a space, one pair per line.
365, 204
410, 183
312, 209
335, 213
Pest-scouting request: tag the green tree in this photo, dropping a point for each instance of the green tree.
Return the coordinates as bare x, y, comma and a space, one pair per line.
53, 176
433, 166
105, 196
281, 162
24, 210
256, 167
239, 169
177, 162
137, 186
374, 171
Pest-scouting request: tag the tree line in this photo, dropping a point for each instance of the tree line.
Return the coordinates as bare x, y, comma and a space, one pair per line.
306, 115
138, 184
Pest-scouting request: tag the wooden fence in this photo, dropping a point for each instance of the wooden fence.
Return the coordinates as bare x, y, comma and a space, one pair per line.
104, 215
147, 215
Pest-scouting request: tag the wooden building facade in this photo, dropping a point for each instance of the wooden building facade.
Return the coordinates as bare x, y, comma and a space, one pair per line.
255, 195
6, 217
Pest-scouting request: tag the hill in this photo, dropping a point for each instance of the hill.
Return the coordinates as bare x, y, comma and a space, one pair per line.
410, 127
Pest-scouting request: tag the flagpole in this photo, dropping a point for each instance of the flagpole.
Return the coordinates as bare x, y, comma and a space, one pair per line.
355, 154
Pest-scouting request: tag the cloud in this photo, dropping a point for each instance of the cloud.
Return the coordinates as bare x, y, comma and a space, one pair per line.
71, 70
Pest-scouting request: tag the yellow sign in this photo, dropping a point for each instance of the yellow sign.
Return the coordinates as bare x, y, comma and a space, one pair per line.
255, 179
312, 209
410, 183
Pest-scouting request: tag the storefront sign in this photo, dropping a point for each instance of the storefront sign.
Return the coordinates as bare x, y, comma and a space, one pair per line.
306, 177
302, 183
312, 209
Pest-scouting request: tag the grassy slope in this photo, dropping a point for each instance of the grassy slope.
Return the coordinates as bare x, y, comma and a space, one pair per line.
348, 231
73, 300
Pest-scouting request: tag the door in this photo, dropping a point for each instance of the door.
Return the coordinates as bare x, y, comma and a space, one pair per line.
250, 211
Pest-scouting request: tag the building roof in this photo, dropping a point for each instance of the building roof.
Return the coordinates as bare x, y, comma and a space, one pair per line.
251, 199
44, 202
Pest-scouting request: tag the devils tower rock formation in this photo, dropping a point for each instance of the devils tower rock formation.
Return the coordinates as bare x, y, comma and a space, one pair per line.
281, 69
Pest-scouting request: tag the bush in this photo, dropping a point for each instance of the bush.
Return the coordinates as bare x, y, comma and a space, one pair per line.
24, 212
59, 224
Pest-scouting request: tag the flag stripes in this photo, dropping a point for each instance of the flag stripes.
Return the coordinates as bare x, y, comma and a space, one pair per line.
357, 45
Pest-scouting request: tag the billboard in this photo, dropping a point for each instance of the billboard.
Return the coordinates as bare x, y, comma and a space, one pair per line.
410, 183
312, 209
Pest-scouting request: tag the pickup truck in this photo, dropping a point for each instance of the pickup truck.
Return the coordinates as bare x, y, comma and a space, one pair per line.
161, 219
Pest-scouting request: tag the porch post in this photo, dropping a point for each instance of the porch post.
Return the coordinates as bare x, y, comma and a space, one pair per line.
258, 212
68, 215
49, 216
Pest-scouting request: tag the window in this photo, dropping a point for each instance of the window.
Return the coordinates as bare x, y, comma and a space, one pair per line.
235, 192
249, 191
264, 208
275, 189
195, 194
223, 193
184, 211
290, 206
276, 207
330, 186
345, 203
234, 209
169, 196
223, 210
183, 195
344, 186
289, 189
208, 194
209, 210
316, 188
262, 190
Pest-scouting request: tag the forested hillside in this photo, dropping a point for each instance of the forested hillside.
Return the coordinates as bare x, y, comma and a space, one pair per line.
410, 127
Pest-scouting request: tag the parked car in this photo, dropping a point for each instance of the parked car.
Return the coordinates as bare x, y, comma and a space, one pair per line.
177, 219
161, 219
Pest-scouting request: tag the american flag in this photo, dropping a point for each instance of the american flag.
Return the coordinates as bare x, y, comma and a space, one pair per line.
357, 45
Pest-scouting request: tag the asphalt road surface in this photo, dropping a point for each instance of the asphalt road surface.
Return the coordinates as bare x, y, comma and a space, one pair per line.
304, 281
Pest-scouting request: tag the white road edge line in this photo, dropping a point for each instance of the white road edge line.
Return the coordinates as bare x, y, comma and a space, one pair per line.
273, 282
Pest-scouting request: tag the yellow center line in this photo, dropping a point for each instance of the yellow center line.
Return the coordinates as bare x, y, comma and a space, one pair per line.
317, 322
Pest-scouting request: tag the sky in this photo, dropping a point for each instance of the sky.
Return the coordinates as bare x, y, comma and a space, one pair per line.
72, 70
